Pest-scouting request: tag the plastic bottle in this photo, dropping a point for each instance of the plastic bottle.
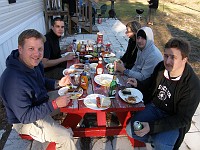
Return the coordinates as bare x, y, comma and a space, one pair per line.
99, 68
82, 47
113, 86
87, 66
74, 46
84, 81
79, 46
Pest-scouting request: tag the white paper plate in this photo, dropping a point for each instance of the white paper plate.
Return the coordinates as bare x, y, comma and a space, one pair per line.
90, 101
108, 55
134, 92
74, 95
104, 79
88, 56
65, 54
109, 60
73, 67
72, 71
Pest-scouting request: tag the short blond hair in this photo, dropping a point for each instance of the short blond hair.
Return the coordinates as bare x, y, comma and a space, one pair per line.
29, 34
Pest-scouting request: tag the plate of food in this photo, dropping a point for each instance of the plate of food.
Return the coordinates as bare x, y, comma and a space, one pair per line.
107, 54
97, 102
70, 71
104, 79
78, 66
75, 92
109, 59
67, 53
88, 56
131, 95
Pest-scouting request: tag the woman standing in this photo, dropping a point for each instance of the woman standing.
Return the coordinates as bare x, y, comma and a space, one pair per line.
131, 53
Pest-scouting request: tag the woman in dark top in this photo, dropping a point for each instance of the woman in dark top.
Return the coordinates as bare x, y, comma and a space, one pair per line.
131, 53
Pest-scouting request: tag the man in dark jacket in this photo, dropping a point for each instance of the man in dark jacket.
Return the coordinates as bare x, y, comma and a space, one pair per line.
23, 90
53, 63
153, 6
171, 96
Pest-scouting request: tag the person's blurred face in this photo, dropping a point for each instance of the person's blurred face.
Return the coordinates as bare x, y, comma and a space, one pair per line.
141, 42
58, 28
129, 33
173, 60
32, 52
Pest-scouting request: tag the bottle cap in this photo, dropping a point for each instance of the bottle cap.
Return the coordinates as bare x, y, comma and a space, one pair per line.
84, 73
86, 61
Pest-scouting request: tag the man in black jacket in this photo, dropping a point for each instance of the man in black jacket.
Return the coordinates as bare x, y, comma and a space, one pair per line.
171, 97
153, 6
53, 63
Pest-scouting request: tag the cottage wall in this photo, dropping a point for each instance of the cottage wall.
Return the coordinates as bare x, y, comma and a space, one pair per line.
14, 18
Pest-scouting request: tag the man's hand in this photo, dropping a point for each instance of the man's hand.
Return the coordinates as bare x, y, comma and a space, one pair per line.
143, 131
132, 81
63, 101
66, 80
119, 66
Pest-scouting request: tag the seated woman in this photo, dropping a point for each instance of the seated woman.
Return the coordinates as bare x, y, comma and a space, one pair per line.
131, 53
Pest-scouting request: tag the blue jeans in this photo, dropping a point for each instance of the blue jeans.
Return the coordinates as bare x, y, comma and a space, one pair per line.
161, 141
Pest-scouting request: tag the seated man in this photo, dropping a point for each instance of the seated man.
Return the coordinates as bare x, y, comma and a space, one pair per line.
53, 63
148, 56
23, 90
171, 96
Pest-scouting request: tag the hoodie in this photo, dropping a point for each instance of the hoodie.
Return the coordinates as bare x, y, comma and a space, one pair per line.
23, 91
147, 58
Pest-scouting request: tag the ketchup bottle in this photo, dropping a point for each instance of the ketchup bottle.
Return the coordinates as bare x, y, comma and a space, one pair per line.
99, 68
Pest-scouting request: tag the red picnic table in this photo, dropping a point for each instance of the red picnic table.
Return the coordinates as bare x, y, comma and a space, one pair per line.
76, 110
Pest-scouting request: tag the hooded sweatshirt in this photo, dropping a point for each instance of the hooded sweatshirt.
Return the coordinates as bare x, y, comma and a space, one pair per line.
52, 50
147, 58
23, 91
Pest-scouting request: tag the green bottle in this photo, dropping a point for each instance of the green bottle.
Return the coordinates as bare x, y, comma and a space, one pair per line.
113, 86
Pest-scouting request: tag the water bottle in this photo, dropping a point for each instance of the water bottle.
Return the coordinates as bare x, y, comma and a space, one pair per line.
74, 48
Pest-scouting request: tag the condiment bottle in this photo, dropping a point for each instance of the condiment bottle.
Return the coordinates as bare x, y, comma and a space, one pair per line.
82, 47
99, 68
113, 86
84, 81
79, 46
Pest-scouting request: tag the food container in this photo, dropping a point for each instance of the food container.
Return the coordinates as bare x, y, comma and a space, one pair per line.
99, 38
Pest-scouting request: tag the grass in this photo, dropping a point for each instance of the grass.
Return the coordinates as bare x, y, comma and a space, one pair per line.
175, 18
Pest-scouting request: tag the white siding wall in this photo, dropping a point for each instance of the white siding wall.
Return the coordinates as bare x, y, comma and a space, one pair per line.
14, 18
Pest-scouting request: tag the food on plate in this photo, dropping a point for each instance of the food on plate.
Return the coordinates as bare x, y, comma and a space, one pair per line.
79, 66
105, 53
126, 91
102, 102
105, 102
71, 71
98, 101
93, 59
105, 82
73, 90
131, 99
